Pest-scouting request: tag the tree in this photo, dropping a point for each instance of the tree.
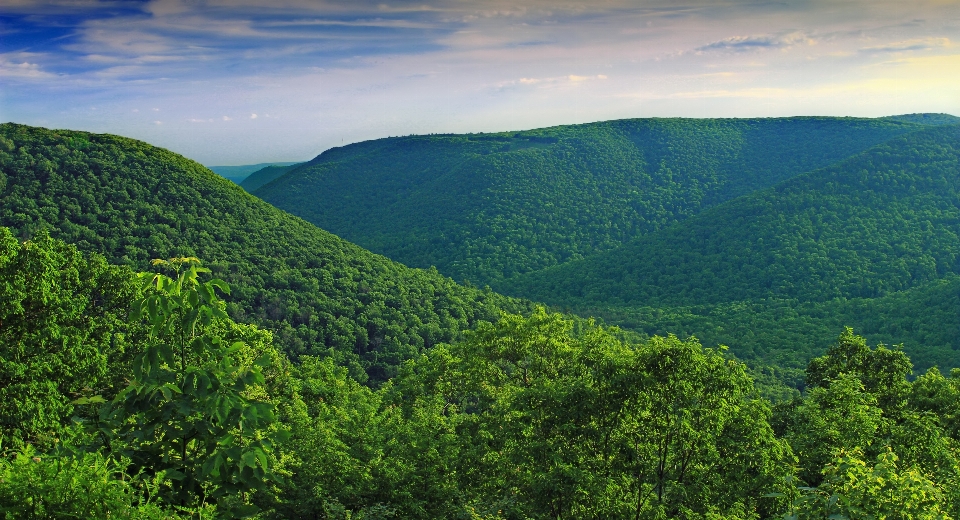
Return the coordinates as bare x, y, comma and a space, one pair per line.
852, 488
882, 371
187, 414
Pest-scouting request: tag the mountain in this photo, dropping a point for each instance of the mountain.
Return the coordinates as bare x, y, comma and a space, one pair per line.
485, 207
867, 242
237, 174
265, 175
319, 294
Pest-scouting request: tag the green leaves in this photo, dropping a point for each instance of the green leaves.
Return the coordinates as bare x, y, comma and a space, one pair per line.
187, 414
853, 488
63, 334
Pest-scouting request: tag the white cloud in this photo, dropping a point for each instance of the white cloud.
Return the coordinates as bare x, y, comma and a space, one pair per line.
347, 70
227, 118
19, 66
253, 116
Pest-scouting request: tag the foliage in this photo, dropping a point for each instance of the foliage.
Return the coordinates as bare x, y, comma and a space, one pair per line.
488, 415
79, 485
852, 488
553, 422
862, 407
265, 175
63, 334
850, 237
187, 414
484, 207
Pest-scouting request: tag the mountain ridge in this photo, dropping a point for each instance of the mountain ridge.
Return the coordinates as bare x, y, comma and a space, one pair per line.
486, 207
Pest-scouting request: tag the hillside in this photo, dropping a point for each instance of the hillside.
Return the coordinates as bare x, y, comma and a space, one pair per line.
485, 207
133, 202
833, 247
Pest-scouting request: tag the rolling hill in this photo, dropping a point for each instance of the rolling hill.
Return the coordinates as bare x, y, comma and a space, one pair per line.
319, 294
485, 207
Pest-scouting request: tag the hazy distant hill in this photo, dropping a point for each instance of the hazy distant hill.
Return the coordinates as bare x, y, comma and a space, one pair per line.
237, 174
133, 202
489, 206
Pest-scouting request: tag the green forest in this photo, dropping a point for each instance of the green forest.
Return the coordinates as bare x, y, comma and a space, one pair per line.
172, 346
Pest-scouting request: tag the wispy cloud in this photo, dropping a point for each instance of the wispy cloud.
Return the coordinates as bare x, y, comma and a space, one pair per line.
758, 42
569, 79
922, 44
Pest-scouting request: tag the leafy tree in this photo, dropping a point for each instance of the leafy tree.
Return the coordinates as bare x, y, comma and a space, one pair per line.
841, 416
853, 488
940, 397
187, 414
555, 419
883, 372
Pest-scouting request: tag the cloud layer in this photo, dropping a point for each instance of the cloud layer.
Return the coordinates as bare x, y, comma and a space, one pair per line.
246, 81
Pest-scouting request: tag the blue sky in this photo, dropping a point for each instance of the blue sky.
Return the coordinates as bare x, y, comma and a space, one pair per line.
248, 81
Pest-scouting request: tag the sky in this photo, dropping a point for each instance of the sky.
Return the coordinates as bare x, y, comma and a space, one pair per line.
229, 82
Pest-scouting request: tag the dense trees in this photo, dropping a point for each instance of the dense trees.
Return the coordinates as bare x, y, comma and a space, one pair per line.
63, 333
529, 417
843, 245
265, 175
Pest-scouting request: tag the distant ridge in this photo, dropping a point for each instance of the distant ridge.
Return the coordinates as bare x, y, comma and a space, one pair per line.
871, 242
882, 221
926, 119
238, 173
265, 175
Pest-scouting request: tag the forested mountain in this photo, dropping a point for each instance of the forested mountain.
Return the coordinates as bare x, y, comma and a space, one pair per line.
488, 206
265, 175
823, 244
133, 202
